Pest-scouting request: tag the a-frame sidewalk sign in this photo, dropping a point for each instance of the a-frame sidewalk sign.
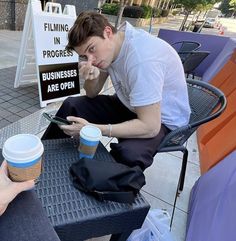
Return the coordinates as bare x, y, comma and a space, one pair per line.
43, 58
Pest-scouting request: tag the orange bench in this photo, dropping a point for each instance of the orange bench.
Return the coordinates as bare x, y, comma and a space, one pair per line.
217, 138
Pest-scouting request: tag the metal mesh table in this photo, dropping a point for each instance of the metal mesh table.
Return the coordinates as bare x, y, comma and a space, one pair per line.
74, 214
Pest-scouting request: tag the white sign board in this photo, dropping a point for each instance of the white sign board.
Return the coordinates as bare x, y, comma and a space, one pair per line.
57, 69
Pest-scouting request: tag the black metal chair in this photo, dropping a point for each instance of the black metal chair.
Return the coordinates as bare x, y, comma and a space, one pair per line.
192, 60
184, 47
207, 103
181, 46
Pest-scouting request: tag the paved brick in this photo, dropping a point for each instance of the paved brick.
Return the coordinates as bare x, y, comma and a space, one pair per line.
32, 109
15, 109
6, 105
12, 118
24, 97
24, 105
6, 97
15, 101
15, 94
5, 113
4, 123
24, 113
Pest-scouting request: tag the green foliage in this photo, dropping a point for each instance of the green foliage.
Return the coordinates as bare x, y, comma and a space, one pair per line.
133, 12
175, 11
191, 5
147, 11
165, 12
156, 12
224, 7
142, 11
110, 8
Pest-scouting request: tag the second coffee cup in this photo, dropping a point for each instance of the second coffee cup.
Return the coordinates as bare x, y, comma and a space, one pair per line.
89, 139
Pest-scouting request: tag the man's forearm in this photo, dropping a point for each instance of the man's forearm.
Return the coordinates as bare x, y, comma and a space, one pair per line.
93, 87
130, 129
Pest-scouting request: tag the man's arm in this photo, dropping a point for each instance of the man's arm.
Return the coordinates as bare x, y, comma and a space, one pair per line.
94, 86
147, 124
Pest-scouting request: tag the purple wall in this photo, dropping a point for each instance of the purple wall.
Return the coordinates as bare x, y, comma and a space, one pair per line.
211, 43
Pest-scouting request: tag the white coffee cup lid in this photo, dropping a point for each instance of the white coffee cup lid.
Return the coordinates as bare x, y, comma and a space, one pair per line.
91, 133
22, 148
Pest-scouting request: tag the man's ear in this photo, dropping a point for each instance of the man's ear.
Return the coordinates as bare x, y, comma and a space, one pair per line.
107, 32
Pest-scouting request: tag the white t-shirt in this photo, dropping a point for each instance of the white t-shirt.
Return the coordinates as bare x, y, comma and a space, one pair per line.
148, 70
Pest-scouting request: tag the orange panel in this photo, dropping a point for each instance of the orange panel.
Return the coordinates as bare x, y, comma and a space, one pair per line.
219, 146
227, 72
217, 138
209, 129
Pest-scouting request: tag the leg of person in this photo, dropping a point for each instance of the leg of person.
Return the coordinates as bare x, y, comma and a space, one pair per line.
137, 151
26, 220
102, 109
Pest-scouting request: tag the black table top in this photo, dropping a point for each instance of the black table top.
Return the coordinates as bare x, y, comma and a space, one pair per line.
74, 211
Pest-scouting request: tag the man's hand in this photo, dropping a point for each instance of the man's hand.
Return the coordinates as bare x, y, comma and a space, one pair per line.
9, 189
87, 71
74, 129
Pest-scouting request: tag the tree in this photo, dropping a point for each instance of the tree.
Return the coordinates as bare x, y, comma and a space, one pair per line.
232, 4
123, 3
224, 7
191, 5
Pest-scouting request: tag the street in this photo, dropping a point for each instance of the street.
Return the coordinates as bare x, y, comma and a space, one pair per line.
174, 22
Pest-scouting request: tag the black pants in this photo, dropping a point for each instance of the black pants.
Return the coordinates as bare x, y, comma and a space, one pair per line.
105, 109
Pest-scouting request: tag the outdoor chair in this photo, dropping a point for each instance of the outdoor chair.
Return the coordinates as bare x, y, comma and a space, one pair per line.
207, 103
192, 60
184, 47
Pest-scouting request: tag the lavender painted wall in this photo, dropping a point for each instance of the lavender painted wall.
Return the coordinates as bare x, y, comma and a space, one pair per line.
212, 43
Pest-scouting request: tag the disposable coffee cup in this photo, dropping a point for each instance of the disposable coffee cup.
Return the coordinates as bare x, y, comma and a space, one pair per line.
23, 154
89, 139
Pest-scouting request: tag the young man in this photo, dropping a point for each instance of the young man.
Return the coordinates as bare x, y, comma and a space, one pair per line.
150, 89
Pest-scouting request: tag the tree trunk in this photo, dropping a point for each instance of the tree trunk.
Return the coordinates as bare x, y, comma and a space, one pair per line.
120, 12
167, 4
159, 4
163, 5
198, 15
184, 22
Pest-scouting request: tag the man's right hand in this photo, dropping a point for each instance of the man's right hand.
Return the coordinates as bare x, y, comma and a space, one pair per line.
87, 71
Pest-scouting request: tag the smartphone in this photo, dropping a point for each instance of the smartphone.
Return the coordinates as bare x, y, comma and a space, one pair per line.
56, 119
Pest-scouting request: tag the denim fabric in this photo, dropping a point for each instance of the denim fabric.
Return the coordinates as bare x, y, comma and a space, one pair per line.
26, 220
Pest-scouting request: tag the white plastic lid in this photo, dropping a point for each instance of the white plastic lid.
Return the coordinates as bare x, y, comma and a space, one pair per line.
90, 133
22, 148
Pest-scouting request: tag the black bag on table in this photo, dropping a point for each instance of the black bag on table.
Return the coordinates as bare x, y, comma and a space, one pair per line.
107, 180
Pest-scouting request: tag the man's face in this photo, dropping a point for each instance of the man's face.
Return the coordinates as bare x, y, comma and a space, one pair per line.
98, 50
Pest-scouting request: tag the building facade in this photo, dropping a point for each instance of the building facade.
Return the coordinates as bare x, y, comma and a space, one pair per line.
12, 12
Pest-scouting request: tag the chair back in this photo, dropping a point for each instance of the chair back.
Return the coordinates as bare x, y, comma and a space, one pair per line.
206, 102
193, 59
183, 46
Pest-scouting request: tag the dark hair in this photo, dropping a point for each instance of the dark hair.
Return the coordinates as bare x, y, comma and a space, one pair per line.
87, 24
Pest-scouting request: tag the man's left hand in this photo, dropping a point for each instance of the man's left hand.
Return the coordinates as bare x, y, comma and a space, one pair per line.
74, 129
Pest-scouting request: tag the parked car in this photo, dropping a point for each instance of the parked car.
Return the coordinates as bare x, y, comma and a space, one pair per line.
209, 23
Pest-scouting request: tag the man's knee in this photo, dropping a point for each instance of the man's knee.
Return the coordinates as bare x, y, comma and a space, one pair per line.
130, 156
